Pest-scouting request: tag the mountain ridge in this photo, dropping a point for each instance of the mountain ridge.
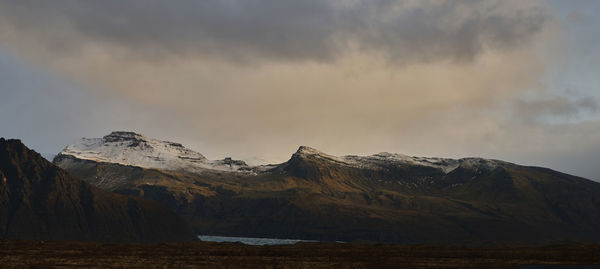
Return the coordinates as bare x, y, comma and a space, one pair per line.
40, 201
129, 148
381, 197
110, 149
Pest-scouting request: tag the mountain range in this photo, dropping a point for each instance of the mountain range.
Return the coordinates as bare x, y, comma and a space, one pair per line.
40, 201
382, 197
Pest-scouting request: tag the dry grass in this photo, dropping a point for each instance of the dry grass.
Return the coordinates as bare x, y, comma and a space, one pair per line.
35, 254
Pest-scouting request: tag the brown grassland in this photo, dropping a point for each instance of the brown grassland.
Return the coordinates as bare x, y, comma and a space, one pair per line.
68, 254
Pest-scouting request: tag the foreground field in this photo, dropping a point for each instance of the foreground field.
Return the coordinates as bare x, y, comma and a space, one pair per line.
35, 254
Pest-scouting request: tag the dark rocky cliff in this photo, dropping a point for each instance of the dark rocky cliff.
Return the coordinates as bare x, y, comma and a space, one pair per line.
40, 201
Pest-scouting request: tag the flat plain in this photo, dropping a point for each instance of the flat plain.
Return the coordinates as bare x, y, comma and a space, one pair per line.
69, 254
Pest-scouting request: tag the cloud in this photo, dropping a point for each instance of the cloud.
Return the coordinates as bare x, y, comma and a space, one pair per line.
259, 77
555, 108
264, 76
49, 112
279, 30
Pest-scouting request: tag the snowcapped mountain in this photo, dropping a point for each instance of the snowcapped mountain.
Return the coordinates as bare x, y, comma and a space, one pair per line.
40, 201
385, 159
314, 195
128, 148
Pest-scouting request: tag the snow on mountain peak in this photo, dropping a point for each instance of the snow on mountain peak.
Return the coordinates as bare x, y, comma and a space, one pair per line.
304, 150
385, 158
308, 153
130, 148
379, 159
122, 136
480, 163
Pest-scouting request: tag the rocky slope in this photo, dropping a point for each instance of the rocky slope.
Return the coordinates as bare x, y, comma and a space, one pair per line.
382, 197
40, 201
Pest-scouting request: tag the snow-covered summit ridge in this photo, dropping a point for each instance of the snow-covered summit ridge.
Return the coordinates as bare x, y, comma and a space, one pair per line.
385, 158
130, 148
307, 150
304, 151
447, 165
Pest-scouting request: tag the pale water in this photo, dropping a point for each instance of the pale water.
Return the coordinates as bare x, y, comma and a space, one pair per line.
251, 240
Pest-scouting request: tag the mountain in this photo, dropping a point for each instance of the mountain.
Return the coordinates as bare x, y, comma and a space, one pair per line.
40, 201
382, 197
128, 148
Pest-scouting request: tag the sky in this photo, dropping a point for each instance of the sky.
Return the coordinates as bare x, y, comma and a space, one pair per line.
512, 80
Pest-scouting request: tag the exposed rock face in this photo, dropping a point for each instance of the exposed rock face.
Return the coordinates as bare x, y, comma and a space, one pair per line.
40, 201
382, 197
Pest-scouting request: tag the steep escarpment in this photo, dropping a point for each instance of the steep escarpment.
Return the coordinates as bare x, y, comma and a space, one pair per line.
40, 201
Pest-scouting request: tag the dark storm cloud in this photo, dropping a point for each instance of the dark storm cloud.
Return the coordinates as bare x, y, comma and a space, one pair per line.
404, 31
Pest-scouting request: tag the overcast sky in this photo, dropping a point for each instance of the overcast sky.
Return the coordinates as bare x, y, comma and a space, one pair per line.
512, 80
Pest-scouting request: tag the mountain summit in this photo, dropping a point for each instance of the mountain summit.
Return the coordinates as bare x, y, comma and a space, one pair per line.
40, 201
129, 148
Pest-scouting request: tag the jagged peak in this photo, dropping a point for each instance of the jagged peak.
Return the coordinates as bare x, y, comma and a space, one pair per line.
307, 153
308, 150
14, 145
11, 145
123, 135
14, 153
10, 140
